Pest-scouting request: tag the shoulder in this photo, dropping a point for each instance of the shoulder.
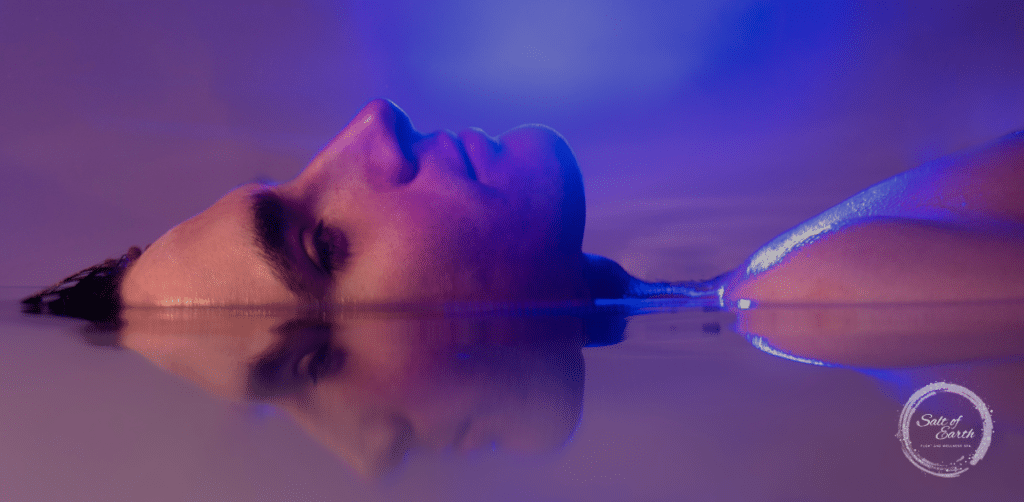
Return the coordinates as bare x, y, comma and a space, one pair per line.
985, 183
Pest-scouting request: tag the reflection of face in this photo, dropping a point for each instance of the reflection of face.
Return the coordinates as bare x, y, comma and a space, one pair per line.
440, 384
373, 387
385, 214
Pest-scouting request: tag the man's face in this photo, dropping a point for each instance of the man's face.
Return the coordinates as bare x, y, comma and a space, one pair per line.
385, 214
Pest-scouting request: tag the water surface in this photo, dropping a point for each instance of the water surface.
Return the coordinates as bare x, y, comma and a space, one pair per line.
685, 407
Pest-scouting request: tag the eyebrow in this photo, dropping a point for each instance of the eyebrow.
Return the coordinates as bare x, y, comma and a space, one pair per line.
270, 224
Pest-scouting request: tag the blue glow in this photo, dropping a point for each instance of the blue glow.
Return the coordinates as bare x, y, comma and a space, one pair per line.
561, 53
761, 344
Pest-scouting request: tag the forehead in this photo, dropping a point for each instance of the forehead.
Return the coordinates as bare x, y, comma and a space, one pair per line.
209, 259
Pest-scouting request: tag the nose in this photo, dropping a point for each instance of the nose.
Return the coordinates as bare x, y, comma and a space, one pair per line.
381, 136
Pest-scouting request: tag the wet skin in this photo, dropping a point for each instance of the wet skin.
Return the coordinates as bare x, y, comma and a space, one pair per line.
950, 230
385, 214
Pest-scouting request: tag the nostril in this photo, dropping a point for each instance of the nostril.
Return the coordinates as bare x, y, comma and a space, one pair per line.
389, 134
405, 167
405, 136
392, 119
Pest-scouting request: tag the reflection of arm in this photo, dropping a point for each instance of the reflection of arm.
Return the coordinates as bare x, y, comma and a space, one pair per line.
887, 336
951, 229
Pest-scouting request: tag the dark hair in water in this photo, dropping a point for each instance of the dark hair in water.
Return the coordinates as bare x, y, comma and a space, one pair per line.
92, 294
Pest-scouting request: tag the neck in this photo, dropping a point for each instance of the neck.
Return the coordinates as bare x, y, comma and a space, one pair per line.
711, 289
608, 280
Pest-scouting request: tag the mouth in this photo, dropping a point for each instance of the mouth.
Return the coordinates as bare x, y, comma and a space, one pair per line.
446, 144
459, 441
470, 167
470, 438
479, 150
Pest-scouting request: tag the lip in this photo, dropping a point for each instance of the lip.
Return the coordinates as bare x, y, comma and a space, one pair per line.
479, 150
474, 437
471, 166
459, 440
448, 144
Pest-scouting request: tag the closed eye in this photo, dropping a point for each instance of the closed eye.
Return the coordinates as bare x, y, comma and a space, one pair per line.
318, 363
325, 248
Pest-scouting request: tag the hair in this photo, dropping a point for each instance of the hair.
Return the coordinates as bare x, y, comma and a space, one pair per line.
93, 294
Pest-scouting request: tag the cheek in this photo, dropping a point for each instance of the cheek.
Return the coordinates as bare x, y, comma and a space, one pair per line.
547, 212
404, 270
438, 244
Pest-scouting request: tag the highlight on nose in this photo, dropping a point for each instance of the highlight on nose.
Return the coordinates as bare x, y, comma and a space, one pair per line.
385, 134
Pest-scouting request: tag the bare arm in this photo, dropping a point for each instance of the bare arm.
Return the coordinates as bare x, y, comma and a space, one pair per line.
952, 229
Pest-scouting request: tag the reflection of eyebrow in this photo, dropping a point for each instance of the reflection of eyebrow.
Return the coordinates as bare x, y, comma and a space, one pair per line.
270, 223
